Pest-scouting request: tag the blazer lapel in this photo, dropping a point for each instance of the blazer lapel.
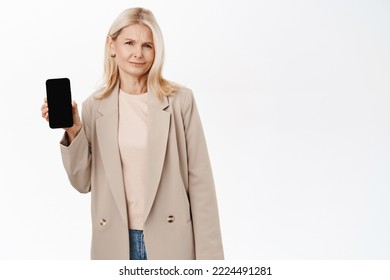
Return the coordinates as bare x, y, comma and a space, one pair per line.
158, 129
107, 136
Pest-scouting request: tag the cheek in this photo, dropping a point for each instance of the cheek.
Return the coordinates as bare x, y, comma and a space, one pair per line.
122, 53
150, 56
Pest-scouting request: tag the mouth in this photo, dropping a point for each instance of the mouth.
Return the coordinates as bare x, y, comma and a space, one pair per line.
137, 64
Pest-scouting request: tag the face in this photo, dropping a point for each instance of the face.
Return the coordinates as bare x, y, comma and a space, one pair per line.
134, 50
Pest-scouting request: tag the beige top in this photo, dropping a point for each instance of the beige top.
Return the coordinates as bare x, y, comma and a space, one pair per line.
132, 140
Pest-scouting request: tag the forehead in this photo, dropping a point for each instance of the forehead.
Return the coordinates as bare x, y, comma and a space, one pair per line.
137, 32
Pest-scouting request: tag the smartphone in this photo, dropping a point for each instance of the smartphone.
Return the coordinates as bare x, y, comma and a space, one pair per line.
59, 101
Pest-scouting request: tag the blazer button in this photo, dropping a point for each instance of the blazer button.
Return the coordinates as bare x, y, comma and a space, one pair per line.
170, 219
103, 222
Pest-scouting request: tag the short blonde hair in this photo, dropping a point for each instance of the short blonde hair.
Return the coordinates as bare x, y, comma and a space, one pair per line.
156, 83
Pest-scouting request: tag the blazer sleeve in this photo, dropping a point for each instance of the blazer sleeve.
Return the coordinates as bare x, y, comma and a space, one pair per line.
76, 156
202, 195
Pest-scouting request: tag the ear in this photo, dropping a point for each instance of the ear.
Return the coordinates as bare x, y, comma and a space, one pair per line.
111, 44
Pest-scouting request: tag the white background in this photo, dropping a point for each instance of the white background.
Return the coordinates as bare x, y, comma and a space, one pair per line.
294, 97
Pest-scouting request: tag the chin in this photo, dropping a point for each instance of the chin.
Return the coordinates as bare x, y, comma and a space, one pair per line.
136, 74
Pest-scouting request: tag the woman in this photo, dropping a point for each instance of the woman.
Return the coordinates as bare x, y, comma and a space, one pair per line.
141, 152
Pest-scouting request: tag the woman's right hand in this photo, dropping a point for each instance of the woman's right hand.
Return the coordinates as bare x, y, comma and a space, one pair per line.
71, 131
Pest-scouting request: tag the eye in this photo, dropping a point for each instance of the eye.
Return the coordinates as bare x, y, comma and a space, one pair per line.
148, 46
130, 43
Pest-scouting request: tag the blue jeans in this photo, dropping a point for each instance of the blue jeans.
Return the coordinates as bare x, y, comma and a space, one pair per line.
137, 245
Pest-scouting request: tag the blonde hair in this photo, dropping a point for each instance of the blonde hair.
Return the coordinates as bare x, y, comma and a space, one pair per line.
156, 83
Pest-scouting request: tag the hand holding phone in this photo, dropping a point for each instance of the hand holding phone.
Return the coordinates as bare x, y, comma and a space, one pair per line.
58, 92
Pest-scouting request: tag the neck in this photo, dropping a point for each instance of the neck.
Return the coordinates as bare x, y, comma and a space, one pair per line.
134, 85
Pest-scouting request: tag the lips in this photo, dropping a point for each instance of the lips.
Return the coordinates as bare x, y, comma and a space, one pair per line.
137, 63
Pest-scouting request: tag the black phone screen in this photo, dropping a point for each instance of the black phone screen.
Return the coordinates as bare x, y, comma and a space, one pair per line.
59, 101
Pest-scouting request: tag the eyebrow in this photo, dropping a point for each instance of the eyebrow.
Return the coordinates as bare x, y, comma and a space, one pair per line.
129, 39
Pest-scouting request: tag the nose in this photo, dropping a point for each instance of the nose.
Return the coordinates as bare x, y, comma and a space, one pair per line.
138, 52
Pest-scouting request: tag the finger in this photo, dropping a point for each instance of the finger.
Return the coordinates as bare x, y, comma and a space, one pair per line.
45, 110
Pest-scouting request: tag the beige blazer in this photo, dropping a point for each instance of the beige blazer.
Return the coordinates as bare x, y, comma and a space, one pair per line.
181, 215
